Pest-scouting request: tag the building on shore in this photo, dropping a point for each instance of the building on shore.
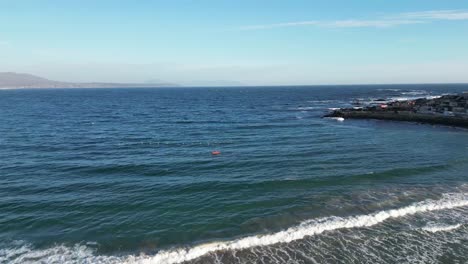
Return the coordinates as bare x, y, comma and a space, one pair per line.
447, 105
446, 110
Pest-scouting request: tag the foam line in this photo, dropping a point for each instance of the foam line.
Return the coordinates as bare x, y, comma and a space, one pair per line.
308, 228
83, 254
439, 228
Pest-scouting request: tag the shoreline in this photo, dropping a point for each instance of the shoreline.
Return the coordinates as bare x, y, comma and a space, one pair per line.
450, 110
401, 116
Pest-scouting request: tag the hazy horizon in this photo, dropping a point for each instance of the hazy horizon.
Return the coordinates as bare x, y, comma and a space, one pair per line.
85, 85
244, 43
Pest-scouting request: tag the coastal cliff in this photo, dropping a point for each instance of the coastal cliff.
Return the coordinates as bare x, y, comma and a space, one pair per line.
449, 110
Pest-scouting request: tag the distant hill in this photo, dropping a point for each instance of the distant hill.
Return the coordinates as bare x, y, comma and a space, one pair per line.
23, 80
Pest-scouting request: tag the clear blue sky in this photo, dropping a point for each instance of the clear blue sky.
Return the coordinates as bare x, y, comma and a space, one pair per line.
252, 42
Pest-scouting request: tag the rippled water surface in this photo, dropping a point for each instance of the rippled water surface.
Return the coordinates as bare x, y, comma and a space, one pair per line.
127, 176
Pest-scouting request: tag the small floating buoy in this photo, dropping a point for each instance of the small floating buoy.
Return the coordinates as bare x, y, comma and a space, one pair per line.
215, 152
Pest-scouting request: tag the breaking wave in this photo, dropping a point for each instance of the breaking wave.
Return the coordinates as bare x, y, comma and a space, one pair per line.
433, 228
83, 254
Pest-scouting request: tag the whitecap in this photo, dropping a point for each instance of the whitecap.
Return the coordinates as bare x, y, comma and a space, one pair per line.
433, 228
415, 92
339, 119
305, 108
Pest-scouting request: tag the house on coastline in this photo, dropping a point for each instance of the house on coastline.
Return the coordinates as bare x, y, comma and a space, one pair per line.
449, 110
447, 105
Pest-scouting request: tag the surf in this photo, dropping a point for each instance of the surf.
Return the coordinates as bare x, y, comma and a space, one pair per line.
80, 253
309, 228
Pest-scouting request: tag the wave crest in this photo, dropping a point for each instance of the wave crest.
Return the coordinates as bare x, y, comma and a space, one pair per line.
434, 228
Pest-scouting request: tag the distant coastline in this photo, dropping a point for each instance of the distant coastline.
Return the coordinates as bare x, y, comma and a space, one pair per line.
90, 86
451, 110
12, 80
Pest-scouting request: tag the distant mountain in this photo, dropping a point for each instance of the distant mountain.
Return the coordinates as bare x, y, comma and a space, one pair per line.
23, 80
20, 80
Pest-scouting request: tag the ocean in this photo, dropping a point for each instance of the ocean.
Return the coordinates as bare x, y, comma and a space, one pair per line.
127, 176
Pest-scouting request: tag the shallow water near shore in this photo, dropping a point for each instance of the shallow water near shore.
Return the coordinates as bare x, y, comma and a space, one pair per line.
127, 176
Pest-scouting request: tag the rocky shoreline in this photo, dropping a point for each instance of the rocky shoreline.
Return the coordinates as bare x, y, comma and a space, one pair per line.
451, 110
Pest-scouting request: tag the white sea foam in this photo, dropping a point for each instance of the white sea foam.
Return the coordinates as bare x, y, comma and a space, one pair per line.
415, 92
309, 228
392, 90
81, 254
339, 119
305, 108
322, 101
408, 98
433, 228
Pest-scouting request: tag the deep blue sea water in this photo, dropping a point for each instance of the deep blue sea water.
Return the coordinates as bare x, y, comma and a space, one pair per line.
127, 176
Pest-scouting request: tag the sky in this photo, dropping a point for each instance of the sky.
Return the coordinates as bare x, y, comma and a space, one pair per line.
220, 42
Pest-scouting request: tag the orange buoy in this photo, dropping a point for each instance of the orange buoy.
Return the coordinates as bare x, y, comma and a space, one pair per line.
215, 152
